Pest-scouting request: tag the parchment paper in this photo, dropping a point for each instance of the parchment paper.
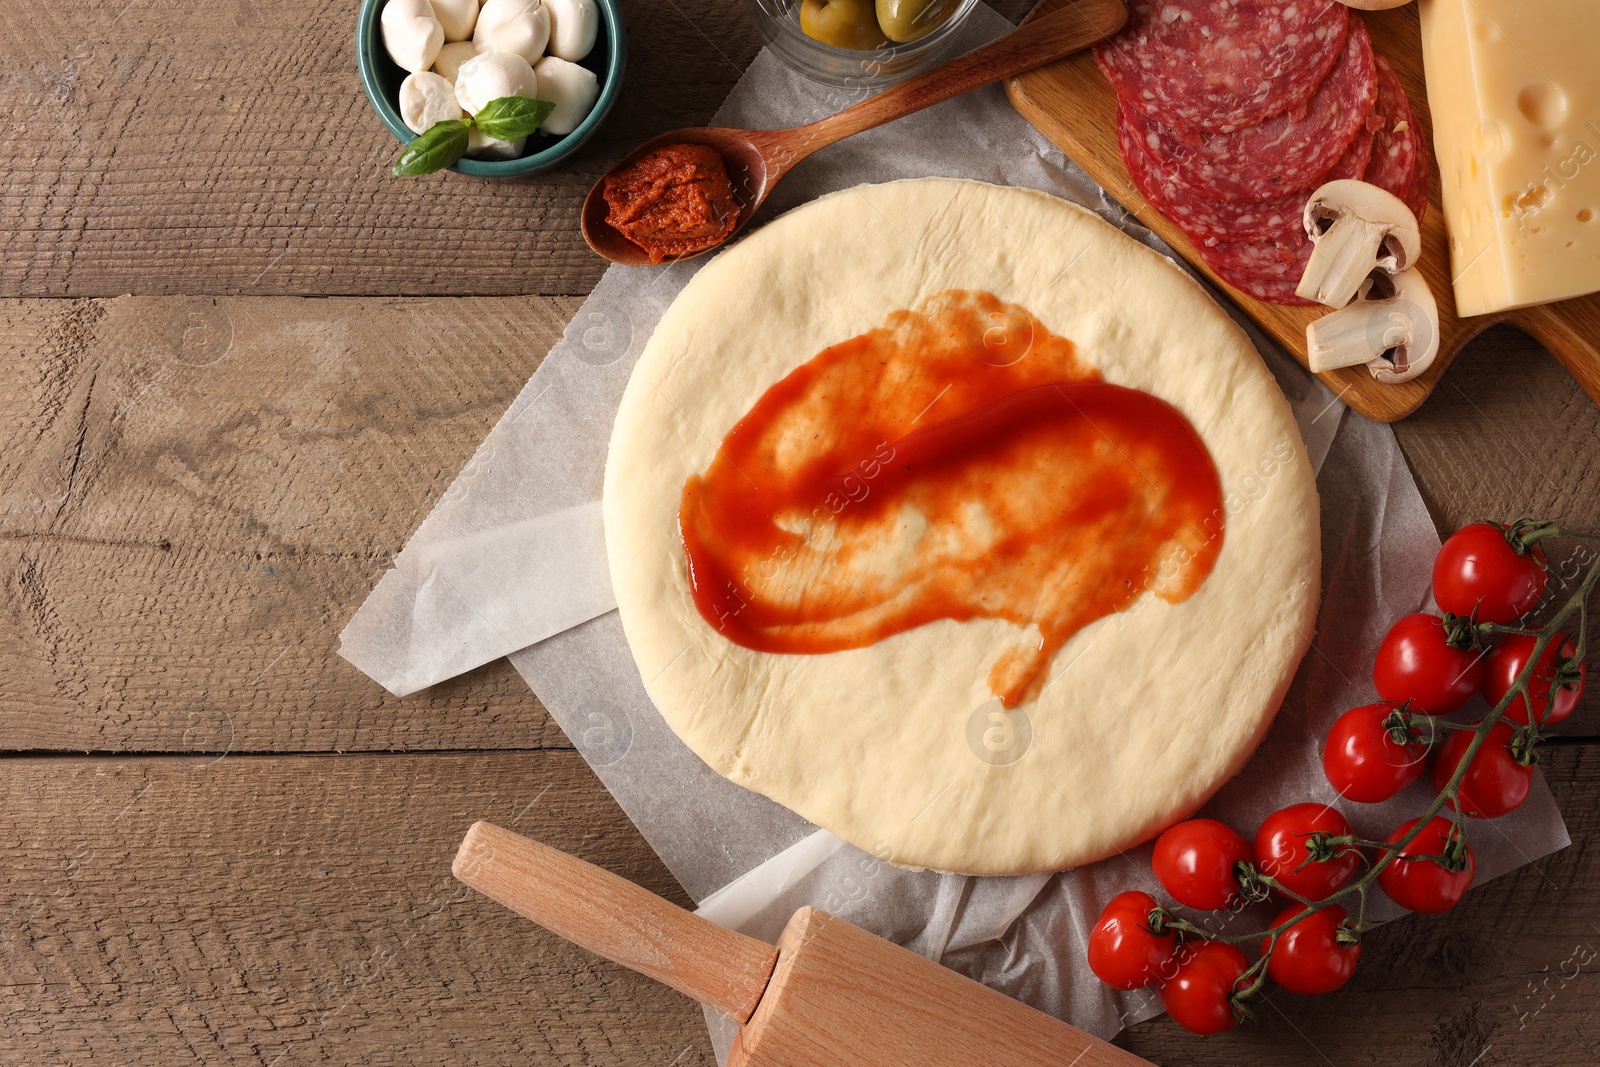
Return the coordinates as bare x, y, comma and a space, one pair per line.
511, 561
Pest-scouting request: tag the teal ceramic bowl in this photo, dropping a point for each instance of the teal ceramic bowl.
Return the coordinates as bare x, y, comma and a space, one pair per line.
381, 79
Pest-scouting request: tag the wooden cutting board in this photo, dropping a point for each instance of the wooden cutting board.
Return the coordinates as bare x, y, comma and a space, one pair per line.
1073, 105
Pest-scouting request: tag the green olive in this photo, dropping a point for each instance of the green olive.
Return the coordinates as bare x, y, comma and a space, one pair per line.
842, 23
906, 20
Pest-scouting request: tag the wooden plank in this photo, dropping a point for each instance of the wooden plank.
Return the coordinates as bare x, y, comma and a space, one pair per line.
151, 449
152, 150
169, 911
301, 910
197, 494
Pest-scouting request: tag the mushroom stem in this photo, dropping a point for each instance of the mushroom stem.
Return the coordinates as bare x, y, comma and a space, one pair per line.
1355, 226
1341, 261
1392, 327
1351, 336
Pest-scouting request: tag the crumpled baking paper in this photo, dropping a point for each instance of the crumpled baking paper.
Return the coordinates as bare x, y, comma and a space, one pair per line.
512, 561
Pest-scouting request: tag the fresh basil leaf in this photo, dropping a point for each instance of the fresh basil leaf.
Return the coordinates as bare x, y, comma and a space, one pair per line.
442, 144
508, 117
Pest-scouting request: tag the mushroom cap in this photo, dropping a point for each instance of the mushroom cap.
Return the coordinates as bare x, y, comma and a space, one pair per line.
1344, 197
1413, 315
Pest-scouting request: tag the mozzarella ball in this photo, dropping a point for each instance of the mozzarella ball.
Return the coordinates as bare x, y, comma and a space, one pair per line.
426, 98
451, 56
481, 146
458, 17
491, 75
520, 26
411, 34
573, 26
573, 89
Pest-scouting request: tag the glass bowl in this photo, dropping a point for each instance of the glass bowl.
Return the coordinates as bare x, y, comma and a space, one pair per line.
846, 67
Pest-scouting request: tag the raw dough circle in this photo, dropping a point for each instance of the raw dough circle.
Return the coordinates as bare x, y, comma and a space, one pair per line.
1145, 714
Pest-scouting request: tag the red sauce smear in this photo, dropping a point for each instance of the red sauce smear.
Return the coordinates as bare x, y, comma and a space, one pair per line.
960, 462
673, 201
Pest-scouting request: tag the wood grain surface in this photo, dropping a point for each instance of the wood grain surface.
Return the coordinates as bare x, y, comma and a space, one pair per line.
221, 843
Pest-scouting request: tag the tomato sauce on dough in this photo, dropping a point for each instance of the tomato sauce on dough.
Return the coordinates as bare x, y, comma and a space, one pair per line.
959, 462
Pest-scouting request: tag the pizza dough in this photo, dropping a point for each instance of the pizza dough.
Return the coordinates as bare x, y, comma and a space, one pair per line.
899, 747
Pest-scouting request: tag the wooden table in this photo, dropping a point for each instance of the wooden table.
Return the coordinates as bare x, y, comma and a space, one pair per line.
221, 843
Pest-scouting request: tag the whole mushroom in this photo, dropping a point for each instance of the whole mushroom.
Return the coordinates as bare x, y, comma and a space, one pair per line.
412, 34
520, 26
1355, 228
1392, 327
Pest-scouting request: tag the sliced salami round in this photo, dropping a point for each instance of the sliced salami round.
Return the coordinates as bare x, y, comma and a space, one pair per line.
1416, 196
1268, 269
1283, 154
1398, 155
1222, 65
1207, 219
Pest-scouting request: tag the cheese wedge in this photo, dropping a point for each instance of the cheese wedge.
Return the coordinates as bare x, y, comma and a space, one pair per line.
1514, 86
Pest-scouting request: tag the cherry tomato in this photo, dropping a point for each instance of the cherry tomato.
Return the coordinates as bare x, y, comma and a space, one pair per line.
1362, 761
1495, 783
1281, 849
1477, 571
1414, 663
1424, 884
1198, 995
1123, 953
1194, 862
1308, 957
1558, 668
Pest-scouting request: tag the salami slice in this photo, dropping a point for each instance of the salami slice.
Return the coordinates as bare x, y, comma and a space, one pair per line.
1283, 154
1399, 163
1269, 269
1208, 220
1223, 65
1416, 196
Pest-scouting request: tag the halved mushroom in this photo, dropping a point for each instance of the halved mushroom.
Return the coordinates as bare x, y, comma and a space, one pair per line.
1392, 327
1356, 228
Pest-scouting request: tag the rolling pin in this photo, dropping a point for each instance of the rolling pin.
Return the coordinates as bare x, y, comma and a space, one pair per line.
830, 994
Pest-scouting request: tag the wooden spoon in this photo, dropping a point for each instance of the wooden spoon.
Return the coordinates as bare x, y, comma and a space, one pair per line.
757, 160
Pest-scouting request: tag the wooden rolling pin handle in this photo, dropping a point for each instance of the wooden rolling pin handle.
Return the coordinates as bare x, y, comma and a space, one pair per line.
612, 917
